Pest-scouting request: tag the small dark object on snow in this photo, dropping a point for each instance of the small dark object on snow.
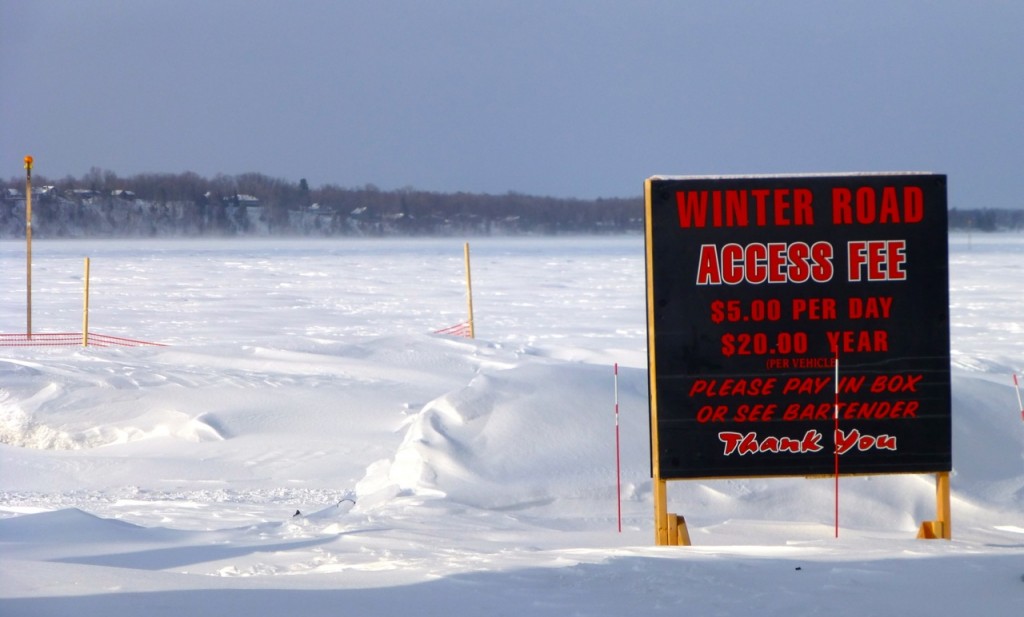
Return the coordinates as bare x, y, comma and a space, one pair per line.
799, 568
297, 513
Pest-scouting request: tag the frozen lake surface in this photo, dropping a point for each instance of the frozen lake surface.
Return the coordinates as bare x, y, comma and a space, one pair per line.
434, 473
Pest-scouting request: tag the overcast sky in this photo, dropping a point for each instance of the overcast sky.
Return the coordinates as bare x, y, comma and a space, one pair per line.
562, 98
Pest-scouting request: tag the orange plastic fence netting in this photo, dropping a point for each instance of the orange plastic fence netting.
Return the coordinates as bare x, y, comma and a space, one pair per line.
459, 329
69, 339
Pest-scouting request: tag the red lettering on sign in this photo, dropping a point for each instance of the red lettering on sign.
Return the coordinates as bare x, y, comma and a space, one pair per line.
854, 439
707, 413
865, 208
806, 385
757, 263
879, 410
755, 413
814, 308
750, 443
896, 383
809, 411
734, 208
876, 260
733, 387
858, 341
870, 308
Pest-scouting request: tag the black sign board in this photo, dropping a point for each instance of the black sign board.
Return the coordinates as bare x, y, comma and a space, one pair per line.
759, 285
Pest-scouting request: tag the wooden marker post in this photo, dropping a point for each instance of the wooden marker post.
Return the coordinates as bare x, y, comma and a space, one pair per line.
469, 294
28, 247
85, 307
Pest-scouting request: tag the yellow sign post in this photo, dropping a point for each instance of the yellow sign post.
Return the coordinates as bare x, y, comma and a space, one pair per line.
942, 527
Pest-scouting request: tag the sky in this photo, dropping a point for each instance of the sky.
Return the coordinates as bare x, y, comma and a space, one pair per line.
562, 98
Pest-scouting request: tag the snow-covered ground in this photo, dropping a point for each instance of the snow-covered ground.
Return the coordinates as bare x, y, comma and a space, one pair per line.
438, 475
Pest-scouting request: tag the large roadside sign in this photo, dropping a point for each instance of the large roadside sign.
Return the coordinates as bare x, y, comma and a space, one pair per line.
759, 286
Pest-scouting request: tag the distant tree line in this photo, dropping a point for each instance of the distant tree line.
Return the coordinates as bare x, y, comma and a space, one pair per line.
102, 204
987, 219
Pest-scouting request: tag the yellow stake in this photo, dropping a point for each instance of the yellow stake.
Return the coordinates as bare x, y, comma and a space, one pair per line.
85, 307
469, 295
28, 246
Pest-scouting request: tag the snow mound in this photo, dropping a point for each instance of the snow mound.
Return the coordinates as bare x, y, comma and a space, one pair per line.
71, 525
18, 428
506, 441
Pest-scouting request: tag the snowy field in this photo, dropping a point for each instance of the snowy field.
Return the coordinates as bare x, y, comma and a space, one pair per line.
438, 475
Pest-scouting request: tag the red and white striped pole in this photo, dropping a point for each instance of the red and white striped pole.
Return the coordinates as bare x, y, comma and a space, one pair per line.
618, 464
1016, 384
835, 438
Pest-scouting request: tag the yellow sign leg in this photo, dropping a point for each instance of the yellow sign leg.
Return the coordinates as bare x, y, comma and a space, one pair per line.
669, 529
661, 537
942, 527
